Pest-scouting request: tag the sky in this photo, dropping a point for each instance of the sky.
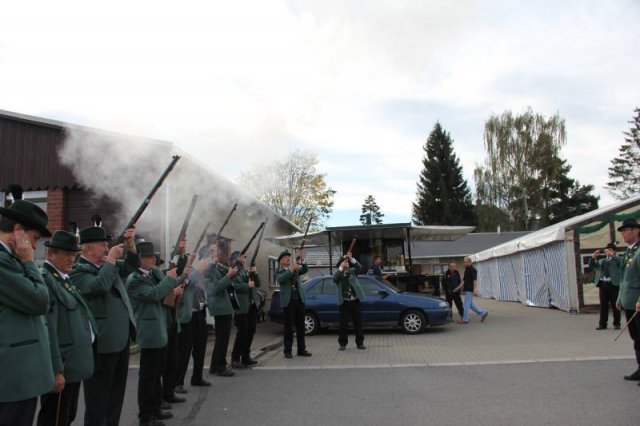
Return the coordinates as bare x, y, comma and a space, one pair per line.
359, 83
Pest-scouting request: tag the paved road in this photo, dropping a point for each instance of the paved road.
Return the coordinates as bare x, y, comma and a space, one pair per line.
523, 366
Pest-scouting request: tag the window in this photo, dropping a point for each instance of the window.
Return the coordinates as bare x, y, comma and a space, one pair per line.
329, 287
316, 289
369, 287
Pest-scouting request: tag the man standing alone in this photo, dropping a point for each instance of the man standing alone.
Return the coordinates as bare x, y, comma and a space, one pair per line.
608, 281
629, 296
470, 288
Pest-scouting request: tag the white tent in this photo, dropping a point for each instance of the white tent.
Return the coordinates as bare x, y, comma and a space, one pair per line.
539, 269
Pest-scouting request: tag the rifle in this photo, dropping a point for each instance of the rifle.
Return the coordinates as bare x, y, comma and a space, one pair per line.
255, 253
147, 200
352, 245
304, 237
183, 231
225, 222
239, 264
169, 299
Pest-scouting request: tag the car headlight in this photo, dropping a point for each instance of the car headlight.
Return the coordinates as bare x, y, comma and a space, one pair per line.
443, 304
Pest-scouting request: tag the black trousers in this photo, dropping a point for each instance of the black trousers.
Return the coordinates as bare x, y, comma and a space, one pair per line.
104, 392
68, 406
200, 335
252, 324
350, 309
152, 365
240, 343
223, 331
608, 296
634, 331
170, 374
455, 298
294, 316
19, 413
185, 346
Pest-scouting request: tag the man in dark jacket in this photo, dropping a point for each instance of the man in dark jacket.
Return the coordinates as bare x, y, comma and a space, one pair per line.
72, 331
453, 288
607, 279
349, 296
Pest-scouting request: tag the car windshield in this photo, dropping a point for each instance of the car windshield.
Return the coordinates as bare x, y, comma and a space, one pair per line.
385, 282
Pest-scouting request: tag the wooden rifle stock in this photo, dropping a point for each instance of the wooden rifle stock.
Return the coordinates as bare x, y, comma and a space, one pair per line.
183, 231
147, 200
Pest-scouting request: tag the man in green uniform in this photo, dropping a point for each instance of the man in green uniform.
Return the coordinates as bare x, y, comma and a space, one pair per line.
607, 267
243, 284
71, 332
98, 275
629, 295
24, 344
220, 293
349, 296
147, 287
292, 300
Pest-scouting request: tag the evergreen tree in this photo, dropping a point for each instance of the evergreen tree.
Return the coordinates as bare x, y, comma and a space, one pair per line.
443, 196
624, 173
569, 198
370, 207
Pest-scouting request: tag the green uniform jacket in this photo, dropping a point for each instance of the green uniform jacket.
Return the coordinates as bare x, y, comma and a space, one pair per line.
286, 279
216, 283
255, 297
104, 290
25, 359
146, 295
614, 269
185, 304
350, 279
69, 332
629, 293
240, 284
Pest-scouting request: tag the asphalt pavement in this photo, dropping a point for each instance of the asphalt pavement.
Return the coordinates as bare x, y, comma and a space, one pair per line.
523, 366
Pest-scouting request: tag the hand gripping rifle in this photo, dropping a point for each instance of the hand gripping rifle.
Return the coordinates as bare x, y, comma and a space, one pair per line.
169, 299
147, 200
183, 232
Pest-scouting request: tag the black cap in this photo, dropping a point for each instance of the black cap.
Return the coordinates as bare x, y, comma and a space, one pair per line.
629, 223
234, 256
93, 234
145, 248
283, 254
29, 215
612, 246
63, 240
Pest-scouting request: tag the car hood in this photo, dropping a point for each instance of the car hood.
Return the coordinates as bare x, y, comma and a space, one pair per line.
419, 295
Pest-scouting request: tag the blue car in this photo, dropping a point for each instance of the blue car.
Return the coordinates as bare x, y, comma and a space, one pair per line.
383, 306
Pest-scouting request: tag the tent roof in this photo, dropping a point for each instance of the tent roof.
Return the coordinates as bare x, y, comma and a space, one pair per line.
554, 232
386, 231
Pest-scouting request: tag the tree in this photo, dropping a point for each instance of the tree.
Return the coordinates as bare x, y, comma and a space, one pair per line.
568, 197
517, 174
370, 207
293, 188
443, 196
624, 173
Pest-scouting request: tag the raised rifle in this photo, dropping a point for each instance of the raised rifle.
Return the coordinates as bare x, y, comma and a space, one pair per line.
352, 245
255, 252
147, 200
219, 234
169, 299
304, 237
183, 231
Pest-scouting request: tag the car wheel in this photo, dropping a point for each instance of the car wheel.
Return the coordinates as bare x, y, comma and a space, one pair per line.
311, 324
413, 322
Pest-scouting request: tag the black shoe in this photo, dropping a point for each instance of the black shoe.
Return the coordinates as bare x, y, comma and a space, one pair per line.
180, 389
249, 361
237, 365
634, 376
225, 373
174, 399
304, 353
151, 422
362, 347
200, 382
288, 355
601, 327
162, 415
164, 405
342, 348
616, 326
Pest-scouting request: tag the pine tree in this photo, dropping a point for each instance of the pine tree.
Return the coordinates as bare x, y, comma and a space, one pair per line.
370, 207
624, 173
443, 196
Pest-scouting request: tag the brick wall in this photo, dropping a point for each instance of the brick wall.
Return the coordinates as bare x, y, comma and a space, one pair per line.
56, 208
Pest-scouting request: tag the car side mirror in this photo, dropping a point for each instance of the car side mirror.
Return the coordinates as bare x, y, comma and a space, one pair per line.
383, 293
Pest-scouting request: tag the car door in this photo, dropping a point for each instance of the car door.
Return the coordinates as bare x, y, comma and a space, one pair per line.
380, 305
323, 303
